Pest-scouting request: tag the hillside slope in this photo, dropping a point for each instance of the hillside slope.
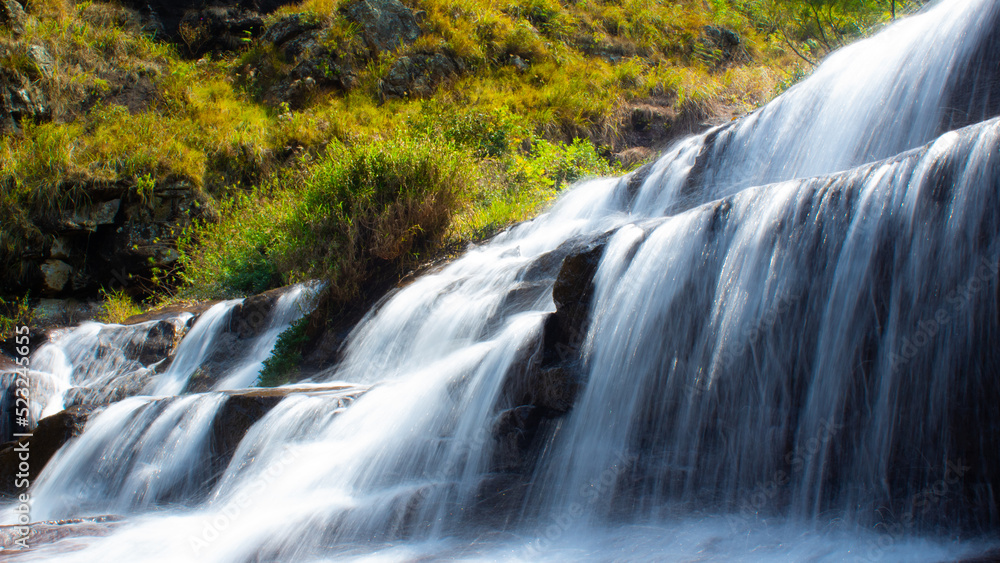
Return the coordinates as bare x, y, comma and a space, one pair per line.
228, 148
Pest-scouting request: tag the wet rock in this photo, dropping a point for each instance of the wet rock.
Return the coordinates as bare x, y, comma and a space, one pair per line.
250, 318
500, 497
42, 533
418, 75
385, 24
544, 380
155, 345
243, 409
572, 293
50, 435
171, 312
117, 388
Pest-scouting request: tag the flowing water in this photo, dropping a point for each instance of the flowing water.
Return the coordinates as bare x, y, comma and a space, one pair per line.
804, 370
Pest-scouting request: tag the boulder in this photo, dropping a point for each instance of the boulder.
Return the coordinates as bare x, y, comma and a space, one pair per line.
88, 218
720, 46
20, 99
42, 533
50, 435
244, 408
42, 59
545, 379
418, 75
55, 274
155, 344
288, 28
12, 16
251, 317
385, 24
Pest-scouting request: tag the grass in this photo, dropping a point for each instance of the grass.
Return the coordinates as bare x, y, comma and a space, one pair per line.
14, 313
345, 184
118, 307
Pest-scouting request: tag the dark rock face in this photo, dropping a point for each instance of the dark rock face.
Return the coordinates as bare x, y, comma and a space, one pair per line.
543, 384
205, 25
20, 99
219, 29
247, 321
385, 24
418, 75
155, 345
250, 318
243, 409
115, 242
12, 16
50, 435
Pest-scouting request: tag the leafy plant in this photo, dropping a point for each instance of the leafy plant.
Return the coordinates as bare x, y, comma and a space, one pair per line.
118, 307
286, 356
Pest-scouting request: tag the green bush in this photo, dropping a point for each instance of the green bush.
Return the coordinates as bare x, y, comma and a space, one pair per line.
286, 356
357, 208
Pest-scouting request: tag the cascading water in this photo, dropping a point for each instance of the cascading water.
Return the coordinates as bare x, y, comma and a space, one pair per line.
783, 374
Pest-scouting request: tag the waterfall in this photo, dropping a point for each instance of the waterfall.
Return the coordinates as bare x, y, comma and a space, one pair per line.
138, 454
785, 352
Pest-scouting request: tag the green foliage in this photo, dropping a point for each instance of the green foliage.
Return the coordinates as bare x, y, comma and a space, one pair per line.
286, 356
342, 185
118, 307
336, 219
14, 312
490, 134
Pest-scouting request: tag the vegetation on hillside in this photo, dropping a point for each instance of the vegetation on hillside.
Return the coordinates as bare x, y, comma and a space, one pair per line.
342, 184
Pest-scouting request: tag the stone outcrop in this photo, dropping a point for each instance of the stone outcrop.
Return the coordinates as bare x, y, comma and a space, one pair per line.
319, 63
418, 75
544, 382
239, 412
116, 241
219, 29
247, 321
385, 24
205, 26
12, 16
21, 98
50, 435
720, 46
244, 408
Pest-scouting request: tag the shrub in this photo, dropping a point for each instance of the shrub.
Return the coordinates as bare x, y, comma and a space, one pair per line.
356, 209
118, 307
